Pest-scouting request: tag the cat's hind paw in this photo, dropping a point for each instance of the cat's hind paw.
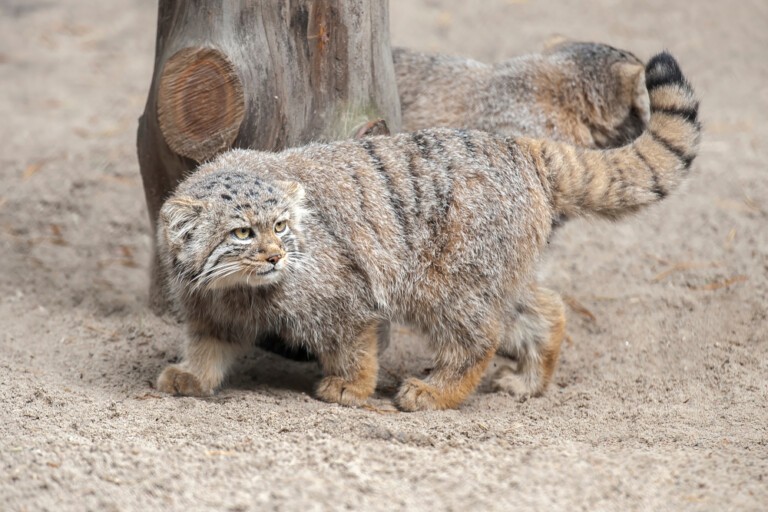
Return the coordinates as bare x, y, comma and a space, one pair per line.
177, 381
506, 380
417, 395
337, 390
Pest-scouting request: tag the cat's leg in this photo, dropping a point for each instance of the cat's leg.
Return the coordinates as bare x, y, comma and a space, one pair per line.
459, 365
383, 335
535, 328
351, 370
205, 364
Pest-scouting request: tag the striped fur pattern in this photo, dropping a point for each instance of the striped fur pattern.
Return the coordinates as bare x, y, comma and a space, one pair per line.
439, 229
588, 94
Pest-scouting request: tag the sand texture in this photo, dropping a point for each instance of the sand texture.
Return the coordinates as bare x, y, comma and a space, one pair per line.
660, 399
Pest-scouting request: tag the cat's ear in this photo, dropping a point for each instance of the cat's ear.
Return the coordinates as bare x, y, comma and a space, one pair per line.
177, 218
294, 191
632, 78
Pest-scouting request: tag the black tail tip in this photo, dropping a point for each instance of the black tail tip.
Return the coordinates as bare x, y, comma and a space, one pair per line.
661, 70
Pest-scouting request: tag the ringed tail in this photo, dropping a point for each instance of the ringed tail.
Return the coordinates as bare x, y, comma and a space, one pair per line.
614, 182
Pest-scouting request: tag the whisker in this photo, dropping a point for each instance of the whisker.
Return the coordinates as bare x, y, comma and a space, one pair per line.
217, 273
210, 281
250, 273
214, 275
217, 268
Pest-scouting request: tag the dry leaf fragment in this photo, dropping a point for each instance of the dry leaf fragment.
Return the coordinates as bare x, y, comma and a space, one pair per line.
57, 238
32, 169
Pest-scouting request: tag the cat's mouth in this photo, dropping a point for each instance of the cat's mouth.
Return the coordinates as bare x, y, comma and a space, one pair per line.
260, 276
247, 277
263, 278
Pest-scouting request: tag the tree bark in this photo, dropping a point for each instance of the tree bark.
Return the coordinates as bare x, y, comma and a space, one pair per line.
259, 74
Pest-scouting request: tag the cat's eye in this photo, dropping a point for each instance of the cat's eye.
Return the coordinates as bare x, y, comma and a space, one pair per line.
280, 226
242, 233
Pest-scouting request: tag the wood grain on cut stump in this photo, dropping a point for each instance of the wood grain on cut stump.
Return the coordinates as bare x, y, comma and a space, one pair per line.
200, 104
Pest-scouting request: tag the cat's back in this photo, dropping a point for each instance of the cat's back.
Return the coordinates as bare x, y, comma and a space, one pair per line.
589, 94
440, 207
411, 66
416, 175
437, 90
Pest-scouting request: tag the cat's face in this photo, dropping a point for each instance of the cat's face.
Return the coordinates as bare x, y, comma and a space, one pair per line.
230, 229
616, 105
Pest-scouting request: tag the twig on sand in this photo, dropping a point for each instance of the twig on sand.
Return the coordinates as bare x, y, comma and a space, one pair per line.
100, 330
147, 396
730, 238
716, 285
681, 266
369, 407
579, 308
220, 453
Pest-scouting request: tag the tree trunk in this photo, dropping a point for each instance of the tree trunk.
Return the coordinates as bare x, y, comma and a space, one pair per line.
259, 74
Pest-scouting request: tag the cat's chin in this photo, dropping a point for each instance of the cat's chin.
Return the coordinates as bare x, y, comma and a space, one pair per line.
246, 278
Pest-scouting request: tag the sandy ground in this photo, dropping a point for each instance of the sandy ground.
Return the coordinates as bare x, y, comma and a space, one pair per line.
659, 402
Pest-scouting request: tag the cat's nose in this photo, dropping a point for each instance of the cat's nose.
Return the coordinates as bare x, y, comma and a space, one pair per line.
274, 258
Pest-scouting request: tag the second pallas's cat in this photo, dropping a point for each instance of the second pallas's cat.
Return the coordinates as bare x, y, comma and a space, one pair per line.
438, 229
588, 94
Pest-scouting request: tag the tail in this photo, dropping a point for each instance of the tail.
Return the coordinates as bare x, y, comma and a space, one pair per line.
614, 182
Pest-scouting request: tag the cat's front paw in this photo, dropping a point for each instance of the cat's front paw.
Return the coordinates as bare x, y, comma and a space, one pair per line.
344, 392
417, 395
176, 381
